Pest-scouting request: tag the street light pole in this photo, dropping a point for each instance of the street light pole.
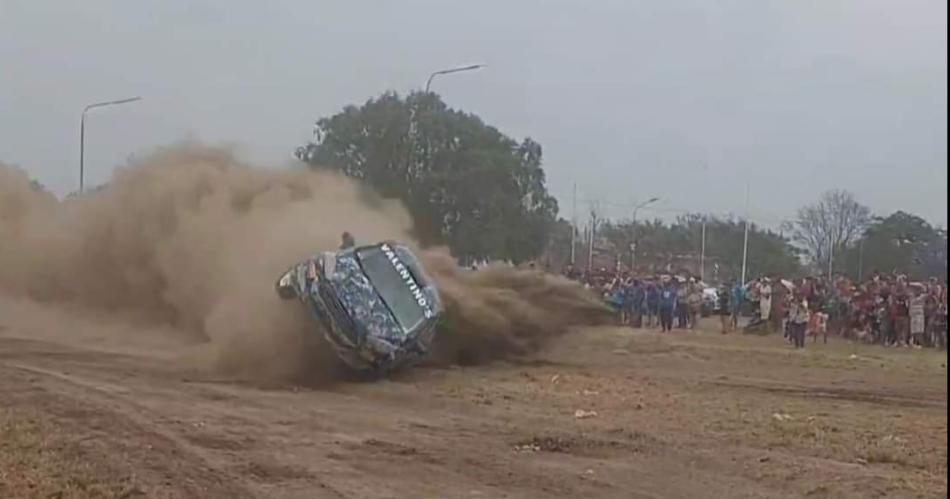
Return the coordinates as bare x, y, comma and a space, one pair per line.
450, 71
745, 238
831, 258
412, 106
702, 254
633, 249
82, 133
573, 223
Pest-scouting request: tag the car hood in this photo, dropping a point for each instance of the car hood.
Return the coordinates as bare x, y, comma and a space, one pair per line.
371, 317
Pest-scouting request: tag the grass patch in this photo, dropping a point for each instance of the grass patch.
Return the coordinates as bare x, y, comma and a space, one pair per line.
39, 461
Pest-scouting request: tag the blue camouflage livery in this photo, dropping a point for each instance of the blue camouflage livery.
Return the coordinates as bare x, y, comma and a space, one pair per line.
377, 306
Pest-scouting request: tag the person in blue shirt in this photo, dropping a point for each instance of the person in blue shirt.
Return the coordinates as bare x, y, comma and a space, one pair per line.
736, 300
667, 306
653, 303
636, 298
616, 298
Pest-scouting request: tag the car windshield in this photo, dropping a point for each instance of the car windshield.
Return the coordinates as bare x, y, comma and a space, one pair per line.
396, 285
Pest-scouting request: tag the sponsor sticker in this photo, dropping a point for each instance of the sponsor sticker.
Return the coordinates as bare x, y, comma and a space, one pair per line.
409, 280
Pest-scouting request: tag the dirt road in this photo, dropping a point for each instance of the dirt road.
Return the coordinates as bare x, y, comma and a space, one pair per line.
605, 412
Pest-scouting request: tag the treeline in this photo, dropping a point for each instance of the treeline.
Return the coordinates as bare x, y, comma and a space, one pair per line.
835, 234
655, 245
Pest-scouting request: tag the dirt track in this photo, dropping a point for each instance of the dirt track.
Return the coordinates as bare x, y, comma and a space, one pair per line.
688, 415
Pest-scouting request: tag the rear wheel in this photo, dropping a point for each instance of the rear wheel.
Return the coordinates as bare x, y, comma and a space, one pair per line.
285, 286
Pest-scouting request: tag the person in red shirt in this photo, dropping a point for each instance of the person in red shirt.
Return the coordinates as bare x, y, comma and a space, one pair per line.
807, 288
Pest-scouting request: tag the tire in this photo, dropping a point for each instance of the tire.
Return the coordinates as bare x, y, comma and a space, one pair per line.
284, 286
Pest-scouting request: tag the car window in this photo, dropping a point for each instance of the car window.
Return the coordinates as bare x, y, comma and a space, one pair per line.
395, 284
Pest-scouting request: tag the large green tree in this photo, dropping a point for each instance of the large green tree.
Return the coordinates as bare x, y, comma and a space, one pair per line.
465, 183
900, 242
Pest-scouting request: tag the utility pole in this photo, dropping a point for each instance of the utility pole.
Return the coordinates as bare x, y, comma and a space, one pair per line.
702, 254
590, 242
745, 240
633, 223
573, 223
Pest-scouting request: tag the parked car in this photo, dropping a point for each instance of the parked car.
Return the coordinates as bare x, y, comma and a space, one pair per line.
710, 302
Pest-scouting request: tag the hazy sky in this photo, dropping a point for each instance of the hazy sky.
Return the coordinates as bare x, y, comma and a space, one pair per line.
686, 100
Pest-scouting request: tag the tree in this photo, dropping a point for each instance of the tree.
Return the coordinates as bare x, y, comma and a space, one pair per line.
900, 242
464, 182
835, 221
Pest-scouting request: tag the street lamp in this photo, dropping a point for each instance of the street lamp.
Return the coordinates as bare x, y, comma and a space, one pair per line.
82, 132
633, 247
412, 105
450, 71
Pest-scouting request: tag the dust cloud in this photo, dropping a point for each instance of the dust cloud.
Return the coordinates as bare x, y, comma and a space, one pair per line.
499, 311
190, 239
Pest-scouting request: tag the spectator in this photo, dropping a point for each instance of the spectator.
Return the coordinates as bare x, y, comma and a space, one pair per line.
736, 299
637, 298
653, 303
765, 300
797, 321
817, 322
939, 326
885, 316
667, 307
901, 316
682, 307
779, 299
614, 295
916, 314
727, 313
694, 303
931, 303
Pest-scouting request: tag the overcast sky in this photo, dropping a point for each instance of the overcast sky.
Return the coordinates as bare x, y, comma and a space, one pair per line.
685, 100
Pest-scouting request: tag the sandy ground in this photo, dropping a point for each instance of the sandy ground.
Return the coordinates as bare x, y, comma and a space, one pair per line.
603, 412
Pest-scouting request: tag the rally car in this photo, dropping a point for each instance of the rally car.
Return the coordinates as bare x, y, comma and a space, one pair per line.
376, 305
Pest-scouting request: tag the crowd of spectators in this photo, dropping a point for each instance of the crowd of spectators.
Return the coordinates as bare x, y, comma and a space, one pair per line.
887, 309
